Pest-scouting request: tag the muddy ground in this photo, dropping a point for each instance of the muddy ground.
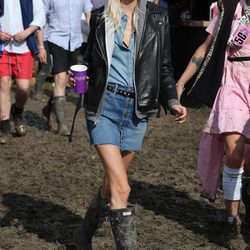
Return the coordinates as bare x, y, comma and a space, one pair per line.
46, 184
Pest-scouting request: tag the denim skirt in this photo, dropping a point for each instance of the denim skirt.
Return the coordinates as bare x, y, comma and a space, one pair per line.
118, 125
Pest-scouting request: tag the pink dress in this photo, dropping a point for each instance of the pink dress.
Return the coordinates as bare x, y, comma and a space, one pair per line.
230, 113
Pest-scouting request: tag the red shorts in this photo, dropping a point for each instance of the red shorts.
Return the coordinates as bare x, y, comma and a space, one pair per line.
17, 65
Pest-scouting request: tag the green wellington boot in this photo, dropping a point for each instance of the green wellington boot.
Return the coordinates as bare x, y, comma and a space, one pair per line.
94, 218
49, 112
123, 223
59, 102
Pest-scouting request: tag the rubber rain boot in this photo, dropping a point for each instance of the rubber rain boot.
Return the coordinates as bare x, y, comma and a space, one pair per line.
123, 223
94, 218
59, 102
49, 112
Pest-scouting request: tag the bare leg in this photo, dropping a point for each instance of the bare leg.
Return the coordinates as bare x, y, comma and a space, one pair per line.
127, 158
121, 217
112, 158
116, 173
60, 84
22, 92
235, 160
5, 101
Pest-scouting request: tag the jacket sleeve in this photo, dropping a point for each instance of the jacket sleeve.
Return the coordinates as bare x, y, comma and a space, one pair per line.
91, 37
168, 95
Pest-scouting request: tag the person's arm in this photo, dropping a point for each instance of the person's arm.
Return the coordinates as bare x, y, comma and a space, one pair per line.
87, 10
87, 16
91, 38
193, 65
21, 36
42, 52
168, 95
38, 14
37, 23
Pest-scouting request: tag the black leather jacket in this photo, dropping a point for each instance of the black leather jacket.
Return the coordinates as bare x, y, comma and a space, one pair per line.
154, 80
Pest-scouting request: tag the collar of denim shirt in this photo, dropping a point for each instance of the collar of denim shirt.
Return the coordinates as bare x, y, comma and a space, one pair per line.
119, 33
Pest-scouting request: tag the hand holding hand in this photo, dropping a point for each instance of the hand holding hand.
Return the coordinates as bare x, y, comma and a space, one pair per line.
180, 113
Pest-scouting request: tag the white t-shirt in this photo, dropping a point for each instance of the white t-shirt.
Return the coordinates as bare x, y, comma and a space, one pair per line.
12, 23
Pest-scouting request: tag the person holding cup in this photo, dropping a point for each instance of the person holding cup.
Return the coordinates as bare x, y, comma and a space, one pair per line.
64, 37
130, 74
79, 73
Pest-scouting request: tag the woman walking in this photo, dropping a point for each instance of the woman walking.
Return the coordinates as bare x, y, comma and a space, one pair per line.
130, 73
223, 83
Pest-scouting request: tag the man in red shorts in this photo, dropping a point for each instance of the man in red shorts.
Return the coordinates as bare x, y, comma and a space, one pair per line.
19, 21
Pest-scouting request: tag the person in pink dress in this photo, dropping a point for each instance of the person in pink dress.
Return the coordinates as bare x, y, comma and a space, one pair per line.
222, 64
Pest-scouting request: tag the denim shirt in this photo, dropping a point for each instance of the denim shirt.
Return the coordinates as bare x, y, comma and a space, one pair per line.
122, 62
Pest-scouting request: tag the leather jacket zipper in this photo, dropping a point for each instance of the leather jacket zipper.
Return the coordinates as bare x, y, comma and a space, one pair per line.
106, 83
103, 57
137, 58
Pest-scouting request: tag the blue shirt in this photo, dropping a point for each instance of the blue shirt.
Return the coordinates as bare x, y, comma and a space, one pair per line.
64, 22
122, 63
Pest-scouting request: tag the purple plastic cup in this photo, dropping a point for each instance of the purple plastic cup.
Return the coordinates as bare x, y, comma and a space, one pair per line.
79, 74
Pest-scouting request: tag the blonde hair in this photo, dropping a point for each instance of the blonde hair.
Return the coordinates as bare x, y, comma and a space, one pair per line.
112, 14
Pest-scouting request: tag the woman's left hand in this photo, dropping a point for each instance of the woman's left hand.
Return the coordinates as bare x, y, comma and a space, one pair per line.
180, 112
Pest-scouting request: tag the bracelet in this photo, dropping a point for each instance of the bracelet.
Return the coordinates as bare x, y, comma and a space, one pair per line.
41, 47
182, 85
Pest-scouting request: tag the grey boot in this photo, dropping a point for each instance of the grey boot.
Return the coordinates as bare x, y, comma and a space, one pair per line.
123, 223
49, 112
235, 239
94, 218
19, 122
59, 102
5, 135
